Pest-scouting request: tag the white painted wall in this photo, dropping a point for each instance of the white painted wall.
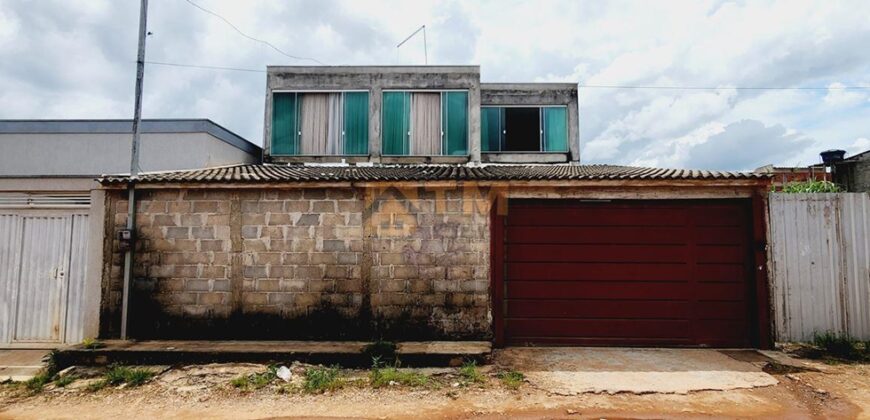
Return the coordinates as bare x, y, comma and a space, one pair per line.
109, 153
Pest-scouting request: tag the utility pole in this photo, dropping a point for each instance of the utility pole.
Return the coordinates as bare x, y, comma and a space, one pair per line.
134, 167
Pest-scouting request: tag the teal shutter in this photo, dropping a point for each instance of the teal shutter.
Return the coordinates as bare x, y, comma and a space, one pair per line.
356, 123
284, 131
555, 129
396, 114
454, 124
490, 129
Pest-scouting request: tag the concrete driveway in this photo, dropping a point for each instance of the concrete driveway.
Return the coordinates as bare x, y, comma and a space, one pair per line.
20, 364
574, 370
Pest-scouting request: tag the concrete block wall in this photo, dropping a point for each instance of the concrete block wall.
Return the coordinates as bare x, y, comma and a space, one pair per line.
301, 252
430, 258
182, 258
304, 263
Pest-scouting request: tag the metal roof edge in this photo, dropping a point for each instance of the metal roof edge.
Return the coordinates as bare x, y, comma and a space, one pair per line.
122, 126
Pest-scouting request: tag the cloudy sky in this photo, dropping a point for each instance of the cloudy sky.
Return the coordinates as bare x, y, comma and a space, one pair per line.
75, 59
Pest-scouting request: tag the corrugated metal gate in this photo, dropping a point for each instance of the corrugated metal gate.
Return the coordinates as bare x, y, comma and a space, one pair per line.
820, 264
43, 253
673, 272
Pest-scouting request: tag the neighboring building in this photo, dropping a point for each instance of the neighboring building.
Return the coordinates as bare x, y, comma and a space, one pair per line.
784, 175
52, 217
853, 173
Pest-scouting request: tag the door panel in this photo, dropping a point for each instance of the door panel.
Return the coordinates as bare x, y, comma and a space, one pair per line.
40, 291
10, 263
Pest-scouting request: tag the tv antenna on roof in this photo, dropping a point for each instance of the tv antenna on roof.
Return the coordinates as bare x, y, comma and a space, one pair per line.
425, 47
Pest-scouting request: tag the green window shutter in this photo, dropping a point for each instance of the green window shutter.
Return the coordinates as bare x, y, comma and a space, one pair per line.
555, 129
455, 123
356, 123
490, 129
396, 114
284, 131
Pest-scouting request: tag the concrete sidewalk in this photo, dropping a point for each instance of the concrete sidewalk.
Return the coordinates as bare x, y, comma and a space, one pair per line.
346, 353
20, 365
576, 370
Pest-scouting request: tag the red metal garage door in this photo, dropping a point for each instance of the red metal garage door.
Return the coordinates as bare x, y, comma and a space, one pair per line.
628, 273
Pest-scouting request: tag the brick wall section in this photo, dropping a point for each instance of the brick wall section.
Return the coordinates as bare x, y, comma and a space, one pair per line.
182, 259
383, 262
430, 258
302, 250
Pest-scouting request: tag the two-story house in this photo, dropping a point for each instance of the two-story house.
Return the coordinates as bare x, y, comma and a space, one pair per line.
418, 203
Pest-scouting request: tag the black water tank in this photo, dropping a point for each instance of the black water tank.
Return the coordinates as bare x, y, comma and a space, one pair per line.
832, 156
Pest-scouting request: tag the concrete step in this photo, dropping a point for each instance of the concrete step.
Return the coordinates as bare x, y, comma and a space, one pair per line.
345, 353
20, 364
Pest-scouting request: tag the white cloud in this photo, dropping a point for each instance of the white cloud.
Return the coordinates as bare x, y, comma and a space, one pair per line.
860, 145
675, 153
839, 96
746, 145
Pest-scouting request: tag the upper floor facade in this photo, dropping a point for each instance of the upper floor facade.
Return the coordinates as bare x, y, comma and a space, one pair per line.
415, 114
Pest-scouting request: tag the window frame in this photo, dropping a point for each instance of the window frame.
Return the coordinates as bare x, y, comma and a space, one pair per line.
443, 128
540, 128
304, 91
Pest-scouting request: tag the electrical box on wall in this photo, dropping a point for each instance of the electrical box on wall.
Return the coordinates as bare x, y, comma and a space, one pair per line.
125, 239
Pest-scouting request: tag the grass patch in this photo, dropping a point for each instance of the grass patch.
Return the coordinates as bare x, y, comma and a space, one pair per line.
64, 381
470, 373
511, 378
92, 344
37, 383
117, 375
841, 346
381, 376
321, 379
381, 350
97, 385
255, 380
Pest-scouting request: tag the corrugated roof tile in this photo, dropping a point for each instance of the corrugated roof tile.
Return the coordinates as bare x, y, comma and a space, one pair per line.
281, 173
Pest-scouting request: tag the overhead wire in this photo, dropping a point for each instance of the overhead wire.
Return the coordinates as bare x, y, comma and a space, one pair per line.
205, 67
726, 87
208, 67
264, 42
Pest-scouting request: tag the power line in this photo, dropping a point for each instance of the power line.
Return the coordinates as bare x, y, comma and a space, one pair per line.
267, 43
726, 87
196, 66
206, 67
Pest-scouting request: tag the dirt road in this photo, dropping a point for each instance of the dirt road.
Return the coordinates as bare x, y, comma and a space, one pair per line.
841, 391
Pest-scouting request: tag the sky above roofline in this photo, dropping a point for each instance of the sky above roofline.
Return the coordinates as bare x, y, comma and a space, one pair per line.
75, 59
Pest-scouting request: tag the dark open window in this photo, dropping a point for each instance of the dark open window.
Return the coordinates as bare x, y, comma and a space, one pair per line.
524, 129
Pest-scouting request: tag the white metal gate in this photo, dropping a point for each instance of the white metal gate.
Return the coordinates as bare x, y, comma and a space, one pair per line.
820, 264
38, 295
42, 272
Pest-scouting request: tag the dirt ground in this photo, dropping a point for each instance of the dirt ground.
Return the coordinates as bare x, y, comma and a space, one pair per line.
834, 391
